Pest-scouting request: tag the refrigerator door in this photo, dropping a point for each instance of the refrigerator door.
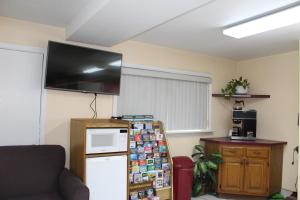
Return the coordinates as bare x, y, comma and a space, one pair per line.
106, 177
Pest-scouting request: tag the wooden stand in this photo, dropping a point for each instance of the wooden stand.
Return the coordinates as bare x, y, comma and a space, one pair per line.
165, 193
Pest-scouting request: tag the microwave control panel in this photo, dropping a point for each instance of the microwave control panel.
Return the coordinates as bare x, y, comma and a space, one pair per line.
123, 139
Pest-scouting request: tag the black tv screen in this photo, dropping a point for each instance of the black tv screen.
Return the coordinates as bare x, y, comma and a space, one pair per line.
82, 69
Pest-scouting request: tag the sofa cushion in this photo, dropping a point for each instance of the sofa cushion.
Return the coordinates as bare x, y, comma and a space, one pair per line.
53, 196
30, 170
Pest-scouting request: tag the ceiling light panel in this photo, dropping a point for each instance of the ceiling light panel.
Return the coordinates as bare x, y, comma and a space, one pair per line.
267, 23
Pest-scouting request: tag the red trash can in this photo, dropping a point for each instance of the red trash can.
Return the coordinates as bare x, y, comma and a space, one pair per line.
183, 174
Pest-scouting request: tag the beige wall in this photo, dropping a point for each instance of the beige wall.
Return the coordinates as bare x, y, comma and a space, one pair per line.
61, 106
25, 33
276, 75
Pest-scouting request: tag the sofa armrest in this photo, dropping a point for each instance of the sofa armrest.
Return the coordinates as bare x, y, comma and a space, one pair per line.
71, 187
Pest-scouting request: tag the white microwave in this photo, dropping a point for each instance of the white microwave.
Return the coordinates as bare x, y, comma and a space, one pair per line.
106, 140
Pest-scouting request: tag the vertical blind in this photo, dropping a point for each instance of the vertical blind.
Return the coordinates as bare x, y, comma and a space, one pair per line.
180, 101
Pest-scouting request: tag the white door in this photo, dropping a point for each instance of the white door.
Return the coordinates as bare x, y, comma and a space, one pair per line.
20, 97
106, 177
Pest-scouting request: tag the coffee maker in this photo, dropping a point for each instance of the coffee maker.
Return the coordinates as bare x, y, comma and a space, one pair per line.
243, 124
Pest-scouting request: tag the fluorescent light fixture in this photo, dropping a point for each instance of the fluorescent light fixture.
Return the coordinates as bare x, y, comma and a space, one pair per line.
92, 70
266, 23
116, 63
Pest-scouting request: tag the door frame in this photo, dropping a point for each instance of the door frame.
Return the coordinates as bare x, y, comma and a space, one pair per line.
43, 97
298, 185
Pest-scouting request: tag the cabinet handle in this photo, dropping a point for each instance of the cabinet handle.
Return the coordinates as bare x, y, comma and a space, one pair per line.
247, 162
242, 162
256, 152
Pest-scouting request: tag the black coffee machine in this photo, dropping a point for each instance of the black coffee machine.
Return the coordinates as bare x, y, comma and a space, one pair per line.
243, 124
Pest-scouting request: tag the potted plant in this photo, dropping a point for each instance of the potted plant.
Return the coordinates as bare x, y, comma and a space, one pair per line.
236, 86
205, 170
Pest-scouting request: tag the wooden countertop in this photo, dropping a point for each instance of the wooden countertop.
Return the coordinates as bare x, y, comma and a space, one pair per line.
226, 140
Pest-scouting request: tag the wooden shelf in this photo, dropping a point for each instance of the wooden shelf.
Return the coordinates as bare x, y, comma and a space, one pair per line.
140, 186
244, 96
164, 193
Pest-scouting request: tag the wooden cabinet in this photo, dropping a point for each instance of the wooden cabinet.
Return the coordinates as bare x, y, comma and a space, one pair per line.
250, 167
245, 170
256, 176
232, 176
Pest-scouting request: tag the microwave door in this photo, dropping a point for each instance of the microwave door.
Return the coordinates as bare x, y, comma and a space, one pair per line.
101, 141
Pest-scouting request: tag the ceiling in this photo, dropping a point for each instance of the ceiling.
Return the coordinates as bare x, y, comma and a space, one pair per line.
194, 25
201, 30
51, 12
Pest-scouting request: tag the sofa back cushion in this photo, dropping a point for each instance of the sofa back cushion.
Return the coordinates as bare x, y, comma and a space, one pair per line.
29, 170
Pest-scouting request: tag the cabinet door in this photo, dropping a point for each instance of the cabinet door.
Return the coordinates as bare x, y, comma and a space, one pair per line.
232, 173
256, 176
106, 177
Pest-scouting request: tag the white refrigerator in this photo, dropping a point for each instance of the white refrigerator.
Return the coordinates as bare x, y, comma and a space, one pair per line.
106, 177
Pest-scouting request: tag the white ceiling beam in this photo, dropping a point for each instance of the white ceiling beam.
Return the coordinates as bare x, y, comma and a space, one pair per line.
84, 15
109, 22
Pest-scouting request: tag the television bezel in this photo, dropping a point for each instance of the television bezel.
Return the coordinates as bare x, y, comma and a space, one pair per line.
74, 90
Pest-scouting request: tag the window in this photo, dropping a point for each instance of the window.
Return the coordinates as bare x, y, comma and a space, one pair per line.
179, 99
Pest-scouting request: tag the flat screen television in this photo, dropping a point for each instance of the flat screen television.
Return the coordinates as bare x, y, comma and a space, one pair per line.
75, 68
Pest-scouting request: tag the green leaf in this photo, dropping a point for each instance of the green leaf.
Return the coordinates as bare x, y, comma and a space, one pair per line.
196, 169
199, 148
217, 158
211, 165
203, 167
198, 154
216, 155
212, 176
218, 161
277, 196
197, 188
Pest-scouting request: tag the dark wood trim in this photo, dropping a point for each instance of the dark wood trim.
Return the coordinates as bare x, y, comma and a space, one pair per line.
106, 154
248, 96
140, 186
257, 142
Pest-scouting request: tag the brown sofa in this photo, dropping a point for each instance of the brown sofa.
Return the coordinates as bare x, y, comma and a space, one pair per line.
38, 173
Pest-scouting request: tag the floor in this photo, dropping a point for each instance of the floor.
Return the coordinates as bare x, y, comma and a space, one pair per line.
206, 197
211, 197
285, 193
